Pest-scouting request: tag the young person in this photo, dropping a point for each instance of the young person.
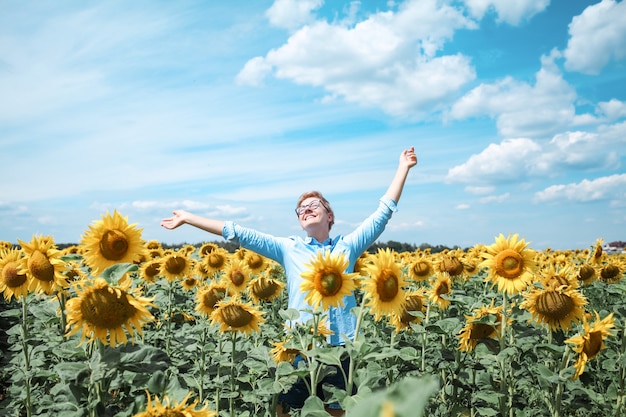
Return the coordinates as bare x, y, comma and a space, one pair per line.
316, 218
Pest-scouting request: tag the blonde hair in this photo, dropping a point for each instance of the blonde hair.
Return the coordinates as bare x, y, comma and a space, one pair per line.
322, 199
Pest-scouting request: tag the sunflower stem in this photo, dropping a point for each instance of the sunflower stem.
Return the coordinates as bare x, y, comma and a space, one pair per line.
505, 389
423, 366
202, 362
61, 297
622, 376
558, 395
352, 364
220, 351
313, 363
231, 398
168, 326
28, 403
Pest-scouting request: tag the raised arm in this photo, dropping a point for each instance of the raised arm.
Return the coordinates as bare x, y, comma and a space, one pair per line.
407, 161
181, 217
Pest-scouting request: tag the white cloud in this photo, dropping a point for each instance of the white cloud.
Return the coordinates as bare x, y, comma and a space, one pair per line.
511, 12
387, 60
612, 110
506, 161
291, 14
479, 190
495, 198
610, 187
597, 37
463, 206
521, 109
516, 159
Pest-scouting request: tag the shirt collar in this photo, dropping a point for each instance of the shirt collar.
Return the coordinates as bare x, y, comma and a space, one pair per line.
312, 241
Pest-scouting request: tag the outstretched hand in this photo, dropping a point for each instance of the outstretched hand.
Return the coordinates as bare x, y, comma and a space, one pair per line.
176, 220
408, 158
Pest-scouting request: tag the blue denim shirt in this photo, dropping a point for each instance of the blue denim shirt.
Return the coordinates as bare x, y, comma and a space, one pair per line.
294, 252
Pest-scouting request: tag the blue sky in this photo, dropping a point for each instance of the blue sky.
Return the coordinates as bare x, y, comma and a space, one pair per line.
516, 110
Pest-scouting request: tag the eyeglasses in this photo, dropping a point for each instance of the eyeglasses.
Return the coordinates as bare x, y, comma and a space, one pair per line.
312, 205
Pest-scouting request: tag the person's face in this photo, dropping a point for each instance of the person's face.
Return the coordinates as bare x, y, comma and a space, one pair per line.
312, 212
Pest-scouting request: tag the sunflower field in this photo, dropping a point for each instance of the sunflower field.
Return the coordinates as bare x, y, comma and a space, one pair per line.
117, 326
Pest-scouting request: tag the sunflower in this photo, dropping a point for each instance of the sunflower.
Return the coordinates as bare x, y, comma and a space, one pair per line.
440, 290
263, 288
587, 274
236, 276
176, 265
415, 302
326, 281
510, 264
234, 315
256, 263
43, 265
451, 264
484, 323
612, 270
13, 283
188, 283
169, 409
110, 241
558, 304
361, 262
101, 310
207, 248
383, 286
283, 351
591, 342
208, 296
216, 260
597, 254
74, 271
420, 268
150, 270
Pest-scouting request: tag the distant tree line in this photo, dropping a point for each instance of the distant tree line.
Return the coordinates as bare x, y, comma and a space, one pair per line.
390, 244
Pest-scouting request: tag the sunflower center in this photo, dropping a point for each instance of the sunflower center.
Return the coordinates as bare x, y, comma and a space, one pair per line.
413, 303
113, 245
442, 288
328, 283
236, 316
11, 277
175, 265
387, 286
509, 264
255, 261
264, 289
554, 305
152, 270
237, 277
480, 331
586, 273
215, 260
452, 266
421, 269
214, 296
106, 309
593, 344
609, 272
39, 265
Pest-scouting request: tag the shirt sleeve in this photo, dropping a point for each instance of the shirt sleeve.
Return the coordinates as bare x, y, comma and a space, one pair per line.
368, 231
262, 243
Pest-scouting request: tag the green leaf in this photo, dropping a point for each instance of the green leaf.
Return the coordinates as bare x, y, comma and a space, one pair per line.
113, 273
487, 411
409, 398
291, 314
313, 407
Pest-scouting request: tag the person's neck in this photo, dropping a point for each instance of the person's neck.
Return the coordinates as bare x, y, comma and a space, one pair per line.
319, 235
